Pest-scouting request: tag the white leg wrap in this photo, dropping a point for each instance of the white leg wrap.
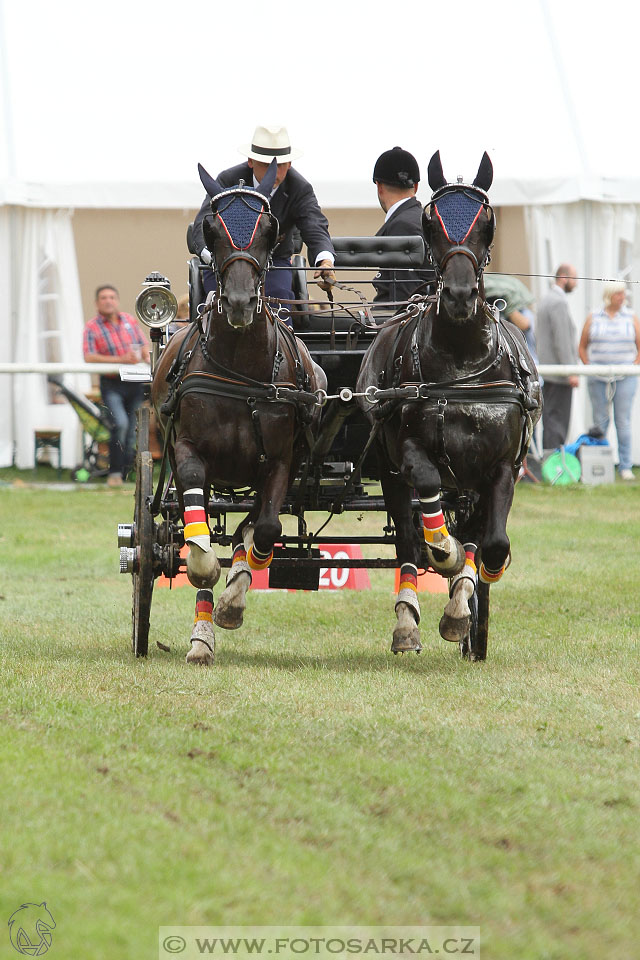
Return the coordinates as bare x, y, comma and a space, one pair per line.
409, 597
462, 588
203, 644
240, 566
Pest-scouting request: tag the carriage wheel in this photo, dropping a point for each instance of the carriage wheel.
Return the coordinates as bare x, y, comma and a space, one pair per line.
474, 646
143, 524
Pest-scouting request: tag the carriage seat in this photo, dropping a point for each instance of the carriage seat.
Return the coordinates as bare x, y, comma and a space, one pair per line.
197, 294
379, 253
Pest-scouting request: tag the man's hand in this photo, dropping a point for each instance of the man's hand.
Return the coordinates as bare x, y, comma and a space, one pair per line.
573, 381
325, 271
131, 356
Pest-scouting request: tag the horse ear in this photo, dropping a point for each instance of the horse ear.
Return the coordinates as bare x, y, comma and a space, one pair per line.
434, 172
266, 184
484, 176
211, 186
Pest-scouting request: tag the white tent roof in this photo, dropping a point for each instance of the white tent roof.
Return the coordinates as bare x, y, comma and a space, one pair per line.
115, 105
332, 194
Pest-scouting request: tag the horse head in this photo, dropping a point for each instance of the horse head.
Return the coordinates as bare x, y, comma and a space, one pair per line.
241, 233
459, 224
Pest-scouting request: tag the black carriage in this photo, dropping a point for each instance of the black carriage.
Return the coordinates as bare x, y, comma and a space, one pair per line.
341, 473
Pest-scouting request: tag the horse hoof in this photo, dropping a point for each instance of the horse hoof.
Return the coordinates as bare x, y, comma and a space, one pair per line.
200, 654
203, 644
203, 569
406, 643
229, 618
454, 629
447, 564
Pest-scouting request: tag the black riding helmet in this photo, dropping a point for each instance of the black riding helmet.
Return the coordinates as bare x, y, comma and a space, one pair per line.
397, 168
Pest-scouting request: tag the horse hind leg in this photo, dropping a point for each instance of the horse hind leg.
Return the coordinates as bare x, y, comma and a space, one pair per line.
397, 498
203, 640
203, 570
406, 635
456, 619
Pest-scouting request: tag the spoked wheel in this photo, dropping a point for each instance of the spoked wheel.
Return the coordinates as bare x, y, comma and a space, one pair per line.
143, 540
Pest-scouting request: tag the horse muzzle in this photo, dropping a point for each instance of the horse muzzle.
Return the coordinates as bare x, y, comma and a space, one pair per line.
459, 301
240, 311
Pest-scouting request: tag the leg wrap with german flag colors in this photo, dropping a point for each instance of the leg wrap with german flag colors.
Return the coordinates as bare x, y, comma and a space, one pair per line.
435, 528
203, 638
408, 591
469, 570
444, 552
196, 528
239, 564
491, 576
257, 560
204, 606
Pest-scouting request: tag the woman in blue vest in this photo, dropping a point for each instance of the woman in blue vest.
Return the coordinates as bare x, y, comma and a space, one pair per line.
611, 335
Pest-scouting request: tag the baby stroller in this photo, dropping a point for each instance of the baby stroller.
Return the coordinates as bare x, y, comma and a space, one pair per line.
96, 426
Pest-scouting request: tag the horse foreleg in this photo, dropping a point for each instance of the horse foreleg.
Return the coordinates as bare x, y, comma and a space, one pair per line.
444, 552
203, 568
229, 612
255, 552
456, 619
495, 543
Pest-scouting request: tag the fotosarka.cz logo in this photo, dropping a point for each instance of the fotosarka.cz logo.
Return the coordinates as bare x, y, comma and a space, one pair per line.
319, 943
30, 929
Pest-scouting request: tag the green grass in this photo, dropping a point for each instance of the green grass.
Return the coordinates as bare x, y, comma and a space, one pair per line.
311, 777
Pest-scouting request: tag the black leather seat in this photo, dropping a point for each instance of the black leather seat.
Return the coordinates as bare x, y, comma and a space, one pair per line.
197, 293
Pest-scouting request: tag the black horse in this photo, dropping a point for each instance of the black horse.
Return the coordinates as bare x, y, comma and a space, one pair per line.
237, 395
455, 396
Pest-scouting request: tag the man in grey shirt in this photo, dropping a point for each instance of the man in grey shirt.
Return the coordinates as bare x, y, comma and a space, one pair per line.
557, 343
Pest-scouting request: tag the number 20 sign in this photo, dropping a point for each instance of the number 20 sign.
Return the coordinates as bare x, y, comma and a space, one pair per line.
342, 578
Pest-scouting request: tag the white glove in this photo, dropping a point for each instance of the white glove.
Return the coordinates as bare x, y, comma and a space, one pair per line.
205, 256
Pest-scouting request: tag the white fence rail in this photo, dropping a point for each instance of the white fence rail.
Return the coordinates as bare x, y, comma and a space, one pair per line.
546, 369
69, 367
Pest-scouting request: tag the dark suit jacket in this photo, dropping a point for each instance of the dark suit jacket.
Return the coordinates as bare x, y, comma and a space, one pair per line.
294, 204
406, 221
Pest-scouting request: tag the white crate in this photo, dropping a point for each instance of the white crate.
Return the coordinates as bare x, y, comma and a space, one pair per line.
597, 464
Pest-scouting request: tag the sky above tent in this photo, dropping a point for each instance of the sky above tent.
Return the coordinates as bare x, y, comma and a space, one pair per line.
130, 90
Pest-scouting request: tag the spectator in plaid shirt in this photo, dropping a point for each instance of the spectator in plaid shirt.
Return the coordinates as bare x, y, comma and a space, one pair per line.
115, 337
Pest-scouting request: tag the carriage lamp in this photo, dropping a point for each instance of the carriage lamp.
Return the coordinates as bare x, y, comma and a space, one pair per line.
156, 305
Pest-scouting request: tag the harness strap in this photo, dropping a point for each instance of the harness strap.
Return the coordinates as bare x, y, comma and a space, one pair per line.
215, 385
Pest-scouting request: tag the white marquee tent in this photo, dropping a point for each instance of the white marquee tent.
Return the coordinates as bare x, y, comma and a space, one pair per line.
106, 122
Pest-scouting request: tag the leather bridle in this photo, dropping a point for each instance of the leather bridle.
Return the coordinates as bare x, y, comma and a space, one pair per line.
460, 248
243, 254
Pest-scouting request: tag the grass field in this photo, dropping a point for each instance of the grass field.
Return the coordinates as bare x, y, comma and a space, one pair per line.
310, 777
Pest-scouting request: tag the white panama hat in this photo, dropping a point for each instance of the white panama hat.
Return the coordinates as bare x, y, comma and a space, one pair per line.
270, 142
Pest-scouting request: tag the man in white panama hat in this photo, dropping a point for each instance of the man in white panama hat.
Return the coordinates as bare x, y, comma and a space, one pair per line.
293, 202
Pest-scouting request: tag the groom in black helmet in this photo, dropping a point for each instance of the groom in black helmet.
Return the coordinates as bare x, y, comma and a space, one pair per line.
397, 175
